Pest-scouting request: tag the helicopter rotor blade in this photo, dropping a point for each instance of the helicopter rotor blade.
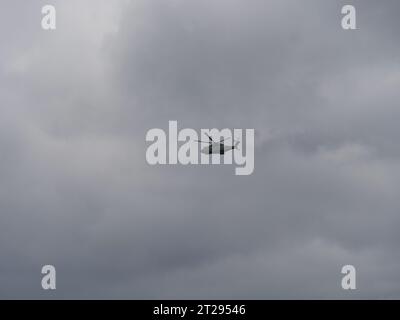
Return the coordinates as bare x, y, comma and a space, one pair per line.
224, 139
211, 140
208, 142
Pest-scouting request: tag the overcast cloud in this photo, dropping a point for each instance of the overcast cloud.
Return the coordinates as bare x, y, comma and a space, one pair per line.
76, 191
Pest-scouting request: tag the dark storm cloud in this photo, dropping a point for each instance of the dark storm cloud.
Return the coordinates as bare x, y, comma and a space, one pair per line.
76, 192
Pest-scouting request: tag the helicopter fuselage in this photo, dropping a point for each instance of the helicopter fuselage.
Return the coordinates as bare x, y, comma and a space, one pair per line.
217, 148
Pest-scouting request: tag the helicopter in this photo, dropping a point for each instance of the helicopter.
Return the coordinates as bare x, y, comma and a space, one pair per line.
217, 147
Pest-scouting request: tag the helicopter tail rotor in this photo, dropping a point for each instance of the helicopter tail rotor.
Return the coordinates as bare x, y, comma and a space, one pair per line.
236, 145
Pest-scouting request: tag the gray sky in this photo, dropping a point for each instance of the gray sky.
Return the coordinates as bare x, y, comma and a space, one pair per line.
77, 193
